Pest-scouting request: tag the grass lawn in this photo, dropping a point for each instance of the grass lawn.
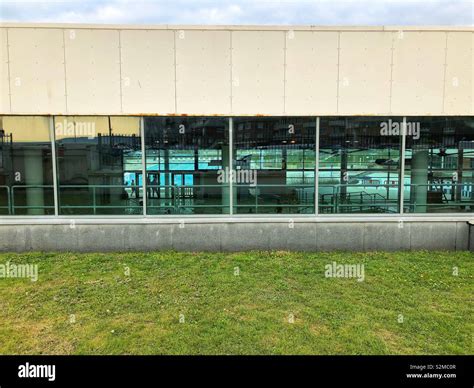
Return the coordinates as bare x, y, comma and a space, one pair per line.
238, 303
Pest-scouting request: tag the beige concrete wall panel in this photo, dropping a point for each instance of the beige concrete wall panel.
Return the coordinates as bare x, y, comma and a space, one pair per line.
311, 72
37, 78
93, 71
251, 70
148, 71
4, 78
418, 72
365, 72
459, 87
258, 72
203, 72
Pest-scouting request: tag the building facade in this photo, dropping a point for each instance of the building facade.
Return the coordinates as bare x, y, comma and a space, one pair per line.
225, 137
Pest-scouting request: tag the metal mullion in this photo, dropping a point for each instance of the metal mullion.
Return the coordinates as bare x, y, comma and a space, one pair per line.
316, 172
401, 179
144, 176
231, 164
52, 137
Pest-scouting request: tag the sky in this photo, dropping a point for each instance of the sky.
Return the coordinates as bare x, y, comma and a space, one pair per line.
289, 12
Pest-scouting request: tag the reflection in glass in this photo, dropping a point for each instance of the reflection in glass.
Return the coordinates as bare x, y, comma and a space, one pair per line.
439, 165
280, 154
99, 165
185, 158
26, 177
359, 161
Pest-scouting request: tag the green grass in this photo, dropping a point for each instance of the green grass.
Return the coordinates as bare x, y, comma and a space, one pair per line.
244, 314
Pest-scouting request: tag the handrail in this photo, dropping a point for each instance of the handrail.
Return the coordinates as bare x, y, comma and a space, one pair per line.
338, 201
12, 200
97, 186
331, 200
31, 186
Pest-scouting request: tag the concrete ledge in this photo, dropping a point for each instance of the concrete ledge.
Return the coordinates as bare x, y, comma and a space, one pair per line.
470, 236
234, 219
294, 236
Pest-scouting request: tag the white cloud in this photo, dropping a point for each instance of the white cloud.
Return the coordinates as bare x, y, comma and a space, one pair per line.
316, 12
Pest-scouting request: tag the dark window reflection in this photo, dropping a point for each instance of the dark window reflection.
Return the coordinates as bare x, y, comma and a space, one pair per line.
188, 169
26, 178
359, 162
439, 165
185, 158
99, 165
274, 160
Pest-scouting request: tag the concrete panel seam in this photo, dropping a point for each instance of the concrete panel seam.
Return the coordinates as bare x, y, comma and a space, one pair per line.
231, 74
175, 74
469, 236
338, 69
120, 69
364, 238
456, 237
285, 35
9, 75
445, 70
391, 73
409, 237
65, 73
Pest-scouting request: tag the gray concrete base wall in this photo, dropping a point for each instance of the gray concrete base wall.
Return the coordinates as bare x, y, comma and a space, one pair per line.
224, 236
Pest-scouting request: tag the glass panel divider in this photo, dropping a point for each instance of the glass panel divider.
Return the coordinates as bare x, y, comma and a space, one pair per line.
401, 180
316, 172
52, 136
231, 164
144, 174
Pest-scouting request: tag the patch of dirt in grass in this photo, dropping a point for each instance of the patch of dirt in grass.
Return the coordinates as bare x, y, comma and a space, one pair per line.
40, 338
319, 329
389, 338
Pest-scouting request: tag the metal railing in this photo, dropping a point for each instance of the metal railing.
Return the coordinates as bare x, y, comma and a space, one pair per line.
438, 196
177, 198
264, 198
260, 198
132, 204
14, 206
343, 198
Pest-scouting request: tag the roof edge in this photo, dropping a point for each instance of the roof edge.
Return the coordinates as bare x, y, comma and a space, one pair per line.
234, 27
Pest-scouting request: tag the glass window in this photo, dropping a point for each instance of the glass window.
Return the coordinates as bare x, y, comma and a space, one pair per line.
439, 165
274, 165
26, 175
188, 171
186, 158
99, 163
359, 162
